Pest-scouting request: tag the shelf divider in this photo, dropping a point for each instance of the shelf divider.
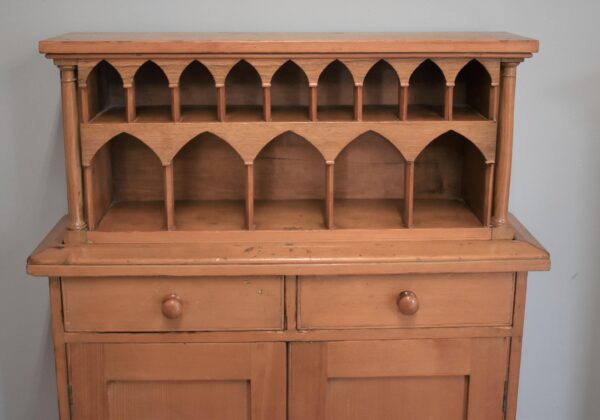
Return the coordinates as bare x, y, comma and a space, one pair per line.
267, 101
221, 105
88, 186
489, 190
493, 104
358, 102
409, 193
84, 104
329, 191
448, 102
250, 196
175, 103
169, 196
313, 102
130, 102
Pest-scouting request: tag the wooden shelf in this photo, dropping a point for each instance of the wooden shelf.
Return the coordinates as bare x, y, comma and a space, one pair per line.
440, 213
336, 113
134, 216
210, 215
114, 114
289, 113
198, 113
154, 114
289, 214
466, 113
241, 113
380, 113
368, 214
425, 113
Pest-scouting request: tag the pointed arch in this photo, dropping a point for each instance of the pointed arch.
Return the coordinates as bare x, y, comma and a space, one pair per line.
472, 92
335, 91
152, 93
106, 96
427, 85
243, 93
197, 93
289, 93
381, 92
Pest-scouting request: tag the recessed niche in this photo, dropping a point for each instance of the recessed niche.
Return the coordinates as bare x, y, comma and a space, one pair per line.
369, 184
197, 93
472, 92
289, 93
335, 91
106, 96
289, 185
209, 178
449, 183
243, 93
127, 181
381, 93
426, 90
152, 94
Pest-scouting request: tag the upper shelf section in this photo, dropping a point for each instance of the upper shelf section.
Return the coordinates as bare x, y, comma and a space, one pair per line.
499, 44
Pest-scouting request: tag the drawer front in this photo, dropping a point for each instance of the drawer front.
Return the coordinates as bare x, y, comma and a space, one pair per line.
330, 302
173, 303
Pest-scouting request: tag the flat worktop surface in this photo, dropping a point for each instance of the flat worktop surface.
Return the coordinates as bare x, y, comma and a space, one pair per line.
287, 42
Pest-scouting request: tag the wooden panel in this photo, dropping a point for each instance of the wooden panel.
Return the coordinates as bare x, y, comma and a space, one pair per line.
371, 301
385, 380
182, 381
209, 303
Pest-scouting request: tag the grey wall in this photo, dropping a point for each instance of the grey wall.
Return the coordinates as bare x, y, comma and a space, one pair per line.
555, 174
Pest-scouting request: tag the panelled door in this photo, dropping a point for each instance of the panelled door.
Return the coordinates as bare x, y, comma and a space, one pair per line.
176, 381
429, 379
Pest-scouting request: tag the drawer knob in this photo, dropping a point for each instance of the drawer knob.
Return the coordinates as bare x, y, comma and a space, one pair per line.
408, 304
172, 307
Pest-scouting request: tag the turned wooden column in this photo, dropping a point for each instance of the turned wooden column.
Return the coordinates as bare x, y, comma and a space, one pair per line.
504, 143
72, 147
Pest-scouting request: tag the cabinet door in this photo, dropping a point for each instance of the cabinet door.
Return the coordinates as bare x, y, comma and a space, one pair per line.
441, 379
178, 381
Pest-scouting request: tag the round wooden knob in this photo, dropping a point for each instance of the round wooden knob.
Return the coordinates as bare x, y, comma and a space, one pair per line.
408, 304
172, 307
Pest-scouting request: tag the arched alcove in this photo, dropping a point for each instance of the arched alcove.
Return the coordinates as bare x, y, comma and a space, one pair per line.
152, 94
449, 183
127, 186
209, 183
335, 93
106, 96
381, 93
289, 184
426, 92
289, 93
197, 93
369, 184
472, 92
243, 93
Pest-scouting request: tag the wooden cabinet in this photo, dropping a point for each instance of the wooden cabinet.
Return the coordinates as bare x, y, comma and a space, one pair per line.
288, 226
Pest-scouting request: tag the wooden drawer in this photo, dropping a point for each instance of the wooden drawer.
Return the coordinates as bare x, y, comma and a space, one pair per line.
207, 303
329, 302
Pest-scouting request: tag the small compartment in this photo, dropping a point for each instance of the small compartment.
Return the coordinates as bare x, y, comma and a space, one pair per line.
369, 184
449, 183
106, 96
289, 185
209, 178
472, 92
289, 93
426, 89
244, 93
335, 93
197, 93
152, 94
381, 93
127, 180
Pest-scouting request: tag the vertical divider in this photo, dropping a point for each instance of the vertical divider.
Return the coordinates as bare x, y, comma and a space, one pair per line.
448, 102
88, 187
175, 103
130, 102
267, 101
358, 102
313, 102
221, 106
250, 196
409, 193
403, 103
329, 194
169, 196
84, 104
489, 190
493, 104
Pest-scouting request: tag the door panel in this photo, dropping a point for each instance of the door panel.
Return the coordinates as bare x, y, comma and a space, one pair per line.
178, 381
442, 379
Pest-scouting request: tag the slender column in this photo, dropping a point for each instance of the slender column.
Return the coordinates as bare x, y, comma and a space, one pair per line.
250, 196
175, 103
489, 188
169, 190
84, 105
313, 102
358, 102
329, 171
504, 143
448, 102
493, 104
409, 193
72, 147
89, 197
403, 103
130, 103
221, 106
267, 102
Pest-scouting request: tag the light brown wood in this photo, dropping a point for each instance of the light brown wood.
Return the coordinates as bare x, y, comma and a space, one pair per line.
60, 350
169, 197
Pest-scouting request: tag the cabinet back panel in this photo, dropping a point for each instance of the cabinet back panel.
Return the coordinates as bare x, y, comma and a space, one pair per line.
151, 86
243, 85
197, 86
289, 86
381, 85
336, 86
